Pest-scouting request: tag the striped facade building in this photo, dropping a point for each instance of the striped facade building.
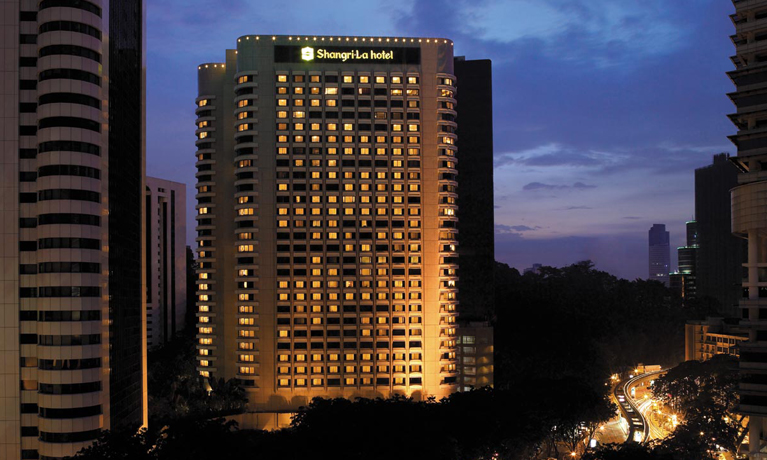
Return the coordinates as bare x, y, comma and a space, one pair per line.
72, 333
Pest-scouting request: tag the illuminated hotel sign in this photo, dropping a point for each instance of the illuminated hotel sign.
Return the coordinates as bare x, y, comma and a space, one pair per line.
346, 55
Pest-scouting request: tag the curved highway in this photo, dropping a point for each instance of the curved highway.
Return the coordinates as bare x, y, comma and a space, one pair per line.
656, 432
639, 428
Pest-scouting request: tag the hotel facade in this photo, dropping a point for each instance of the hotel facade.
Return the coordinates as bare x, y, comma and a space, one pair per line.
326, 219
72, 333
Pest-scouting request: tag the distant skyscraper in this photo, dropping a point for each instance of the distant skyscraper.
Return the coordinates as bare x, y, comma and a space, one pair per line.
72, 333
536, 268
476, 238
749, 208
166, 259
688, 261
660, 254
720, 254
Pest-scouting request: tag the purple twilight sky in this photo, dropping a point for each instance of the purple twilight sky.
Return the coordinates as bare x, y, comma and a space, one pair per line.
602, 109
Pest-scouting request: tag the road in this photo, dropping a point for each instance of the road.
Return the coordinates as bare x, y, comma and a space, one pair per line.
641, 428
656, 432
636, 423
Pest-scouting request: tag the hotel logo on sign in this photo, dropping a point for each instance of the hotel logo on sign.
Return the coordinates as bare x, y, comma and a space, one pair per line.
355, 55
330, 54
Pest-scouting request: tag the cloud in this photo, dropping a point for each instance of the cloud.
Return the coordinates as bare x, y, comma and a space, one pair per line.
514, 229
582, 186
632, 218
574, 208
541, 186
552, 154
663, 158
605, 32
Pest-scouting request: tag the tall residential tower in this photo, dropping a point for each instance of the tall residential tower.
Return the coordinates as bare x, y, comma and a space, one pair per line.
327, 228
749, 207
165, 260
72, 337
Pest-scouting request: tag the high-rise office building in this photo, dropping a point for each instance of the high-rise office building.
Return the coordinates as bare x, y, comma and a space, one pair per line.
165, 260
72, 338
720, 254
659, 254
328, 255
476, 239
687, 256
749, 208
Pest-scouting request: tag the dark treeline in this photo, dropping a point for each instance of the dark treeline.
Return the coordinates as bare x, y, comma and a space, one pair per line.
584, 323
523, 422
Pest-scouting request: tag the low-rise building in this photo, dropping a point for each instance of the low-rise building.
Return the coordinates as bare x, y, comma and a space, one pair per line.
475, 355
713, 336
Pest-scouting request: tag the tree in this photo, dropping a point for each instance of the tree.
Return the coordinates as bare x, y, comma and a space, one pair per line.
626, 451
176, 389
114, 445
704, 393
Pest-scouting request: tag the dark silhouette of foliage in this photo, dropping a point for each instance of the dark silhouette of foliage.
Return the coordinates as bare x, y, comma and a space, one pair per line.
177, 391
626, 451
704, 393
511, 424
584, 323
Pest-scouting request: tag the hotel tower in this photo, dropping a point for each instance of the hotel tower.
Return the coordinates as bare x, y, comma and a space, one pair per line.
326, 219
72, 336
749, 207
